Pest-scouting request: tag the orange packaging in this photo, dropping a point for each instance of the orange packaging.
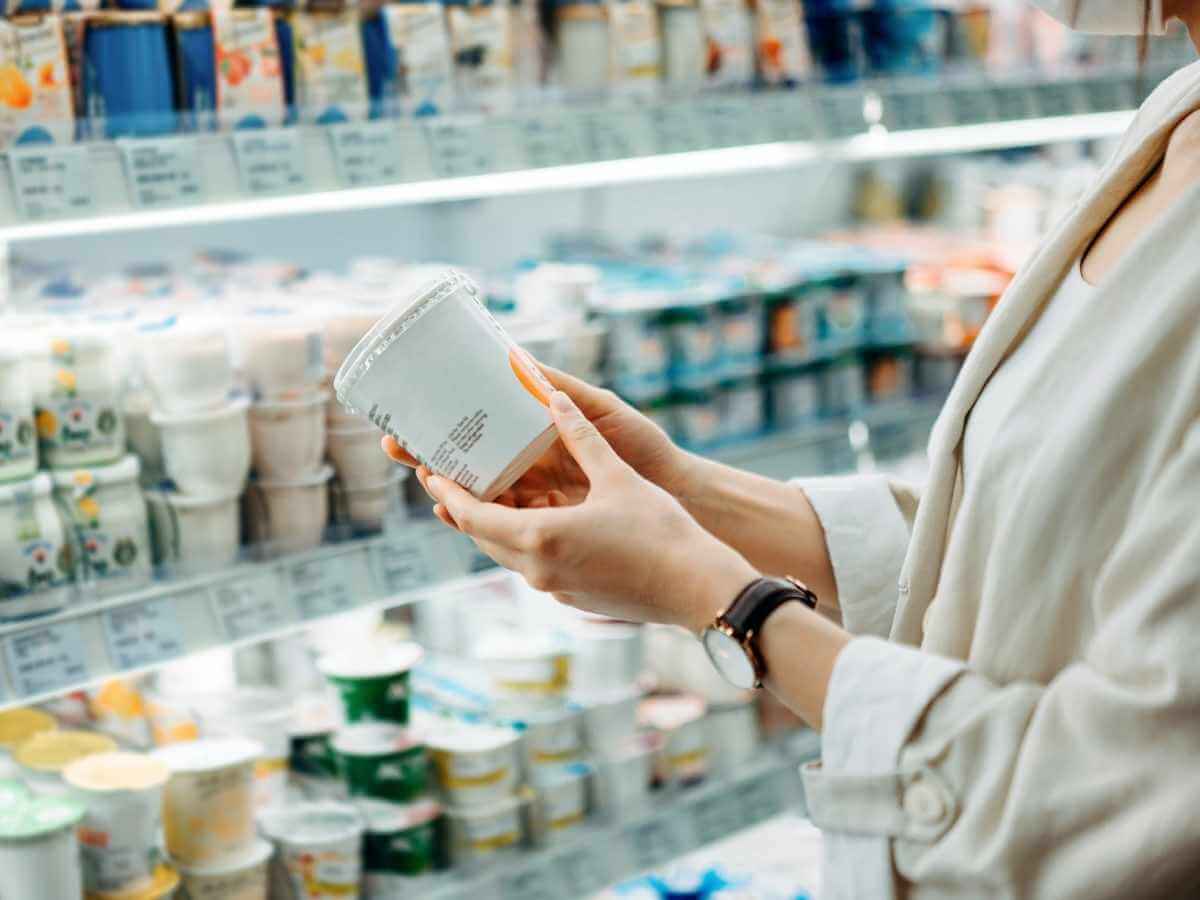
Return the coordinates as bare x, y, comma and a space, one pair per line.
249, 74
35, 87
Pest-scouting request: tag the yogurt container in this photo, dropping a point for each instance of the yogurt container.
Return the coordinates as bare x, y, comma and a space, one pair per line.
187, 366
625, 774
142, 436
635, 57
480, 833
373, 683
242, 877
207, 453
318, 849
783, 54
280, 353
250, 93
39, 855
482, 41
561, 800
681, 721
331, 85
383, 761
684, 44
550, 737
104, 506
287, 437
194, 534
605, 653
525, 671
264, 716
400, 846
729, 28
208, 804
357, 458
609, 716
583, 58
13, 792
734, 735
122, 793
482, 420
37, 561
42, 758
164, 884
289, 516
18, 437
77, 401
365, 507
476, 765
18, 725
418, 34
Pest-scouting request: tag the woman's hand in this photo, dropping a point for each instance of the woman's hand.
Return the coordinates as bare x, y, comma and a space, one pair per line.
625, 548
558, 480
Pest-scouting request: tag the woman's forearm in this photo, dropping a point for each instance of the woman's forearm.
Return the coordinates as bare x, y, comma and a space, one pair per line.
800, 649
771, 523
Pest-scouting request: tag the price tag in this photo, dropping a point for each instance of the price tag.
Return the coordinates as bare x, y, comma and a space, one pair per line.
536, 882
460, 147
366, 153
399, 566
786, 116
716, 816
970, 106
47, 659
270, 162
729, 122
1056, 98
163, 172
548, 141
1105, 95
51, 181
760, 799
248, 607
842, 114
653, 843
146, 633
321, 587
1014, 102
607, 134
582, 871
675, 128
912, 110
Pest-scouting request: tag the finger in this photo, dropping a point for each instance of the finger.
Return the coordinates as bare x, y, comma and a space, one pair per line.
423, 479
592, 400
440, 512
558, 498
585, 444
393, 449
488, 521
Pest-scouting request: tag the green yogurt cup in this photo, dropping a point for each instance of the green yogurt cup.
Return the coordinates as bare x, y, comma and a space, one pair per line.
373, 685
401, 840
382, 761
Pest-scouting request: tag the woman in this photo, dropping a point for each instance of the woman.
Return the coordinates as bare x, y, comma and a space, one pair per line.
1007, 671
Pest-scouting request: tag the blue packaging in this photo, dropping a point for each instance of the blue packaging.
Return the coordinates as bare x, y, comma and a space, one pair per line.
285, 37
381, 60
835, 39
128, 83
196, 70
904, 39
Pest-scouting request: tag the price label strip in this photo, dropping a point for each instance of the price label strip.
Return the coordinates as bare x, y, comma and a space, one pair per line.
536, 882
675, 128
971, 106
729, 122
1106, 95
146, 633
913, 110
548, 141
47, 659
610, 134
1014, 102
399, 566
321, 587
248, 607
582, 871
163, 172
653, 843
51, 182
787, 116
271, 162
366, 153
1057, 99
460, 147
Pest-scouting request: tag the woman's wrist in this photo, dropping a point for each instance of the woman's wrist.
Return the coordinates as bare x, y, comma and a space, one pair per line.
715, 575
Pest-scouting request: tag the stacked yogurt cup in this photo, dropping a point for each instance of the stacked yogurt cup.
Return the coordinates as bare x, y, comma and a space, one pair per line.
191, 411
279, 352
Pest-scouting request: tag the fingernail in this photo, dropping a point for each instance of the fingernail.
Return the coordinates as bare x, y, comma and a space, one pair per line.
560, 401
433, 484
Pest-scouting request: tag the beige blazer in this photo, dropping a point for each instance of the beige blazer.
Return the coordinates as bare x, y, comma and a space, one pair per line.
1044, 740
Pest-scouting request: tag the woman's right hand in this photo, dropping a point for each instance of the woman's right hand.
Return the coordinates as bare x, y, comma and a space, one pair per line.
557, 480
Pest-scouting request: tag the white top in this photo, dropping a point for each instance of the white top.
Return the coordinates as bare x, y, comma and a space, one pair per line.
1008, 381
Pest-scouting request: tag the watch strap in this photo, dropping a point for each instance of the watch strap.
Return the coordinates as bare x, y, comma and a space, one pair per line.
751, 608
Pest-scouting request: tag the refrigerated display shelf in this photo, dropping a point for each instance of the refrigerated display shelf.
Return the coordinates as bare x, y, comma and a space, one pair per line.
680, 822
47, 656
193, 179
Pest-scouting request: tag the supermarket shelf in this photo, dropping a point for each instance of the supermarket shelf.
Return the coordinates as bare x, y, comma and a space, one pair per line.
189, 180
44, 657
603, 855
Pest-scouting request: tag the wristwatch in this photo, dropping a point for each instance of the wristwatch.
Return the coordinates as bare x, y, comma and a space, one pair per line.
732, 639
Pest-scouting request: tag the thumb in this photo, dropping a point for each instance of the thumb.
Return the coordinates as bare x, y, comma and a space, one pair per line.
582, 440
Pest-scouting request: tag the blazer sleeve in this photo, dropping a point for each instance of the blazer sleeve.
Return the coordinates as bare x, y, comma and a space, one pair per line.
867, 520
1082, 787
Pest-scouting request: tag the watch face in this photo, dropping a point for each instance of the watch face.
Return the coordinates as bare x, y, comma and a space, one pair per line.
729, 659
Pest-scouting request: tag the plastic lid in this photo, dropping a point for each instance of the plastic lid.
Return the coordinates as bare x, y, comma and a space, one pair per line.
256, 855
236, 406
190, 501
37, 486
316, 398
52, 751
318, 477
374, 739
315, 823
513, 645
384, 818
127, 469
12, 791
38, 817
21, 723
391, 659
116, 772
670, 712
209, 753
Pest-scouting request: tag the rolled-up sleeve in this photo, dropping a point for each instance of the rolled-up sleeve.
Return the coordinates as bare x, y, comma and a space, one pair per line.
867, 521
1085, 786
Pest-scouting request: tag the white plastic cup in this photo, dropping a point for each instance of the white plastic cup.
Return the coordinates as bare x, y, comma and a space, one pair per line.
357, 457
609, 717
208, 803
605, 653
119, 834
289, 516
207, 452
195, 534
242, 877
318, 849
39, 854
562, 800
287, 437
475, 765
364, 507
625, 774
262, 715
187, 367
18, 436
439, 374
526, 671
280, 352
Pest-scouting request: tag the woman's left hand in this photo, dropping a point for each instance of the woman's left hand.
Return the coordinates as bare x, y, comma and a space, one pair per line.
628, 550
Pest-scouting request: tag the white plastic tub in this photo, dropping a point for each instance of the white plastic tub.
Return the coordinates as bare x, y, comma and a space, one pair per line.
365, 507
605, 653
625, 774
258, 714
242, 877
207, 452
318, 848
287, 437
18, 437
39, 854
357, 457
142, 435
37, 564
526, 671
186, 365
280, 352
289, 516
562, 800
479, 833
475, 765
609, 716
194, 534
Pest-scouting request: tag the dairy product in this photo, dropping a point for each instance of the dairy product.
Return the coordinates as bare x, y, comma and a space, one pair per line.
476, 765
373, 682
318, 848
207, 453
383, 761
287, 437
289, 516
39, 856
194, 534
37, 562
